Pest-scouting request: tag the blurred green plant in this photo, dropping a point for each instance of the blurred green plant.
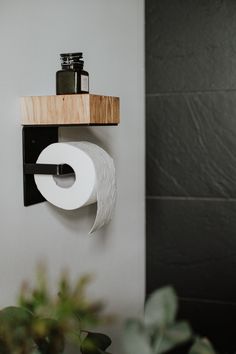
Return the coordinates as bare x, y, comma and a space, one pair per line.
159, 332
43, 322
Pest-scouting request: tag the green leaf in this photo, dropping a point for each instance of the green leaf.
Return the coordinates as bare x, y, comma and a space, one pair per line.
175, 335
15, 316
15, 336
161, 308
202, 346
135, 338
95, 343
15, 325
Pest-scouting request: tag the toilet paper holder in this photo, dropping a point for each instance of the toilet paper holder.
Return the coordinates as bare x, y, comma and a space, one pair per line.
34, 140
41, 117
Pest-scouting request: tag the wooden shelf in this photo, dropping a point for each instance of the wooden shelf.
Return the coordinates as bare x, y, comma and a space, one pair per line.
70, 110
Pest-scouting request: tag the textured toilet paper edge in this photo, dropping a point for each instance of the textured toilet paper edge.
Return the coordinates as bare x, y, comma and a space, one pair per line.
106, 183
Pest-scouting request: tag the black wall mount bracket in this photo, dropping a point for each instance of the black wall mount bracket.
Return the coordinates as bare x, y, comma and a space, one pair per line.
34, 140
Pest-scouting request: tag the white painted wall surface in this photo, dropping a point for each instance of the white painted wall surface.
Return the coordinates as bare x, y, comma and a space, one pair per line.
110, 33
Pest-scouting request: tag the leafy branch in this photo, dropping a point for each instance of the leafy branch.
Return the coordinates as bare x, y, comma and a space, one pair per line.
159, 332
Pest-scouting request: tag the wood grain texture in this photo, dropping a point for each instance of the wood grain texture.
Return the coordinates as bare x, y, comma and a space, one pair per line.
70, 110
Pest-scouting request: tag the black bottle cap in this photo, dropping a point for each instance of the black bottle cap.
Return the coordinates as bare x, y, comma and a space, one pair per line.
71, 60
71, 55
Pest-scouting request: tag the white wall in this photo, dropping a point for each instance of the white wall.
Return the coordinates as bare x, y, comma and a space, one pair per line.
110, 34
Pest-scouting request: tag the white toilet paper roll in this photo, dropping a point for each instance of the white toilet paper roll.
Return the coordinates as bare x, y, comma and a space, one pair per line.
94, 179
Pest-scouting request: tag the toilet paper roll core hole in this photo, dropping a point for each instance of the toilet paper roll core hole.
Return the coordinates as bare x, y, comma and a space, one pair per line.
65, 181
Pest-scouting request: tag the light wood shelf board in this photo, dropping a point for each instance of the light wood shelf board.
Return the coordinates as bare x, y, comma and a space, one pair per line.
70, 110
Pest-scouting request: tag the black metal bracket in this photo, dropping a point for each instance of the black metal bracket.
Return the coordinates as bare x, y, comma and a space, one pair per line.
47, 169
35, 139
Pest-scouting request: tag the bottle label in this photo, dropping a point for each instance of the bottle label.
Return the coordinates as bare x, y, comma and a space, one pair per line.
84, 83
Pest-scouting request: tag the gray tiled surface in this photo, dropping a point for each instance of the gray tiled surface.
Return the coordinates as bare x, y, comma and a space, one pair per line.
191, 244
191, 160
191, 145
190, 45
214, 319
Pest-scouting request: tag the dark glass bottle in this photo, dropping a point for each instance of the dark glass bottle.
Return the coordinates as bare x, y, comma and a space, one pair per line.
72, 78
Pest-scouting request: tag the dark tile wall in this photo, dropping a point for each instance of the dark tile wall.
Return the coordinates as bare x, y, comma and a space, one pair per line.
191, 144
190, 45
191, 160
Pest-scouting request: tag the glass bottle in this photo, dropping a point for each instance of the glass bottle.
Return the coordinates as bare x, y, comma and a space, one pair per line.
72, 79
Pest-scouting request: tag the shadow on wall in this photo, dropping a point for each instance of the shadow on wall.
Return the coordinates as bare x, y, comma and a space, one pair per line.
76, 221
94, 135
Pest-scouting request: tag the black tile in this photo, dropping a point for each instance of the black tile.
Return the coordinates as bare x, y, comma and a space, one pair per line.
191, 145
190, 45
191, 244
216, 321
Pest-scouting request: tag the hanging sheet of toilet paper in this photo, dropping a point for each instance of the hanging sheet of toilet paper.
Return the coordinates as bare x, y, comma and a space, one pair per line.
94, 179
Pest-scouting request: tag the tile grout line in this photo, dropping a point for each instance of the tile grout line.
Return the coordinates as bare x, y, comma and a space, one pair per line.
210, 199
176, 93
206, 301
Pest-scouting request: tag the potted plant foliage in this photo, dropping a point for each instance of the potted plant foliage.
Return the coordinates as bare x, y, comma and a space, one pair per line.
42, 323
159, 332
